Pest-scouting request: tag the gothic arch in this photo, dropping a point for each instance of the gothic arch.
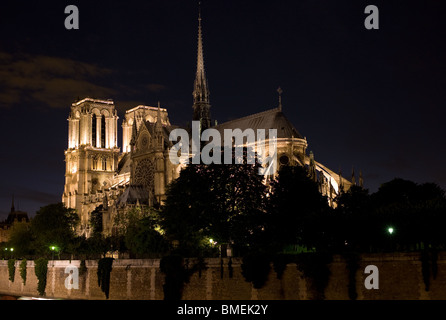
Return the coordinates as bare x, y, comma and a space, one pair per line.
96, 111
150, 118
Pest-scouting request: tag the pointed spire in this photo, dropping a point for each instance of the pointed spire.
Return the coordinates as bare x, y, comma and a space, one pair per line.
321, 183
158, 123
134, 130
280, 91
341, 183
353, 176
201, 91
312, 167
159, 129
12, 205
361, 180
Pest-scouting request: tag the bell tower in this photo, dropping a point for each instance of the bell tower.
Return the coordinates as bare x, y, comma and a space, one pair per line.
92, 154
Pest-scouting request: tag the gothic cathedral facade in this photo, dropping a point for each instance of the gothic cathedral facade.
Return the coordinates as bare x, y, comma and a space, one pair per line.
98, 176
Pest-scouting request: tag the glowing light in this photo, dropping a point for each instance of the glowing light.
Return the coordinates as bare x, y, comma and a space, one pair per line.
390, 230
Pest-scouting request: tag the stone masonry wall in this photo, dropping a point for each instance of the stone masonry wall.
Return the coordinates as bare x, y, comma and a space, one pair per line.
400, 277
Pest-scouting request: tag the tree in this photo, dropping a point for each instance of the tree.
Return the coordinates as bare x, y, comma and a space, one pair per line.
299, 214
416, 212
353, 224
20, 239
96, 220
222, 202
396, 191
126, 220
144, 239
54, 225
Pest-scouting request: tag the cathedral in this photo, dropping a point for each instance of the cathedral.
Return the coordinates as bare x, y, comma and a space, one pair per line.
99, 175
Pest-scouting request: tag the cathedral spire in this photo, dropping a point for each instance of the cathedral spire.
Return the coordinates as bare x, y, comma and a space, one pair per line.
158, 124
341, 183
280, 91
312, 167
134, 131
361, 180
201, 91
353, 176
158, 129
12, 205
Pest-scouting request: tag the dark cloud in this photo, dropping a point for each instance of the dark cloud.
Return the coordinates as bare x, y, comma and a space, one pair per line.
24, 193
52, 81
155, 87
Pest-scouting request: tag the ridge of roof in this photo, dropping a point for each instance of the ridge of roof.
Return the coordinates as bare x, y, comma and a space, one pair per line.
250, 116
268, 119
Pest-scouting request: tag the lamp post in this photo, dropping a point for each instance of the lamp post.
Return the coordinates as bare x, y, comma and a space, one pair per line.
52, 248
391, 231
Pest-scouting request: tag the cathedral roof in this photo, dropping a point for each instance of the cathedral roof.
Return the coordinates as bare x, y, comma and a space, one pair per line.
151, 127
18, 216
124, 164
270, 119
134, 194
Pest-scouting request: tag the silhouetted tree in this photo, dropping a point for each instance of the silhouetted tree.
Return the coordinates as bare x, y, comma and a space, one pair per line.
144, 239
225, 202
96, 220
353, 223
416, 212
54, 225
20, 239
298, 213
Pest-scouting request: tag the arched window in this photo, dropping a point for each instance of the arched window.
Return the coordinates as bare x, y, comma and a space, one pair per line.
103, 131
94, 164
93, 130
104, 163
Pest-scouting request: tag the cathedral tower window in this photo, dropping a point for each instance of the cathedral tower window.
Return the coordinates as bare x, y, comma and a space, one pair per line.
104, 163
102, 132
93, 130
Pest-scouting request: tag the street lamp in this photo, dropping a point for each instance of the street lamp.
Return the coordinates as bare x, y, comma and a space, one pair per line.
53, 248
391, 232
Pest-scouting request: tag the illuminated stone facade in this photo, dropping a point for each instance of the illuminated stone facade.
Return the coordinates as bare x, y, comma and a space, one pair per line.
92, 155
99, 176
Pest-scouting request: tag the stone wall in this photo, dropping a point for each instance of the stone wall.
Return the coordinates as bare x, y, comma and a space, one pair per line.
400, 277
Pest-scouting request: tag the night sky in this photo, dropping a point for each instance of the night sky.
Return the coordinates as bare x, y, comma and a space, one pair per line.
369, 99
